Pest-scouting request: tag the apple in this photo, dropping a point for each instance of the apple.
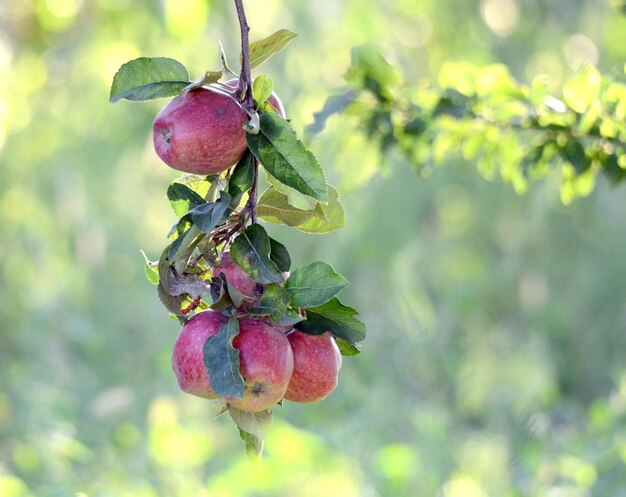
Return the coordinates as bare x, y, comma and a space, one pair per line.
266, 364
201, 131
317, 361
237, 277
188, 357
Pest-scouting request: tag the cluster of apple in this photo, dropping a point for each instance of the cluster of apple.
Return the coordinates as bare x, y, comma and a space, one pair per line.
201, 131
275, 362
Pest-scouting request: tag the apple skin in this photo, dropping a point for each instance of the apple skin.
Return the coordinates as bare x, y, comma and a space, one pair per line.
266, 364
188, 357
201, 131
317, 361
237, 277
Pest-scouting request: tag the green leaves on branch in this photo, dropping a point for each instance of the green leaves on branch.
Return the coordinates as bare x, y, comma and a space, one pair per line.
147, 78
222, 361
520, 132
262, 89
286, 158
262, 50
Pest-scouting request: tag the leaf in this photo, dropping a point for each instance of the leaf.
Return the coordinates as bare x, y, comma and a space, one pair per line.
294, 197
279, 255
251, 252
335, 317
329, 217
286, 158
255, 423
170, 302
242, 178
275, 303
274, 206
346, 348
182, 248
182, 198
314, 284
262, 89
582, 90
252, 445
222, 361
333, 105
252, 428
262, 50
208, 215
236, 297
147, 78
177, 283
152, 273
208, 78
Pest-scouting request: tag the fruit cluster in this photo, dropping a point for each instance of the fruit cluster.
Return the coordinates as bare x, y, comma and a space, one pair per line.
254, 331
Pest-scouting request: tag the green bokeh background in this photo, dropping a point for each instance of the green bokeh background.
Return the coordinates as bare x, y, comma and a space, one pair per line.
495, 362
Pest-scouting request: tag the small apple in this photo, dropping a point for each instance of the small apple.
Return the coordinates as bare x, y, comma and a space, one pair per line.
316, 364
266, 364
188, 357
237, 277
201, 131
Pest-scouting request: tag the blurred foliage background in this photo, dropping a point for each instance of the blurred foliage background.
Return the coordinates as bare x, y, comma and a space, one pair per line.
495, 361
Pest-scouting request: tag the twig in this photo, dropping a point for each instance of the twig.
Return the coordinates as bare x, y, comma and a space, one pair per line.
244, 92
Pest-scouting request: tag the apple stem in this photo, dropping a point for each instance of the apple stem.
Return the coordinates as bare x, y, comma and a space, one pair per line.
244, 92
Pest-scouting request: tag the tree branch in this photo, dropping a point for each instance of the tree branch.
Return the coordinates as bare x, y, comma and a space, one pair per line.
244, 93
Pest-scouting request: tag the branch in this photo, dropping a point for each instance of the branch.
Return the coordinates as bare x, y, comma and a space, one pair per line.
244, 92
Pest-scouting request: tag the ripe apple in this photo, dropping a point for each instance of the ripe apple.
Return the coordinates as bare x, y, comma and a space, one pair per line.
317, 361
188, 357
266, 364
200, 131
237, 277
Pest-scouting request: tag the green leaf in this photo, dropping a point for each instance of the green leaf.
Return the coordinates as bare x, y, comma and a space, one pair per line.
208, 78
328, 217
182, 198
152, 273
252, 428
208, 215
314, 284
262, 89
147, 78
583, 90
346, 348
274, 206
182, 248
294, 197
242, 178
251, 252
335, 317
279, 255
222, 361
286, 158
275, 303
262, 50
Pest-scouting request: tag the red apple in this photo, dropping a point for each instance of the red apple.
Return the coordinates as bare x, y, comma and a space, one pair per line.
316, 364
266, 364
200, 131
236, 277
188, 357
